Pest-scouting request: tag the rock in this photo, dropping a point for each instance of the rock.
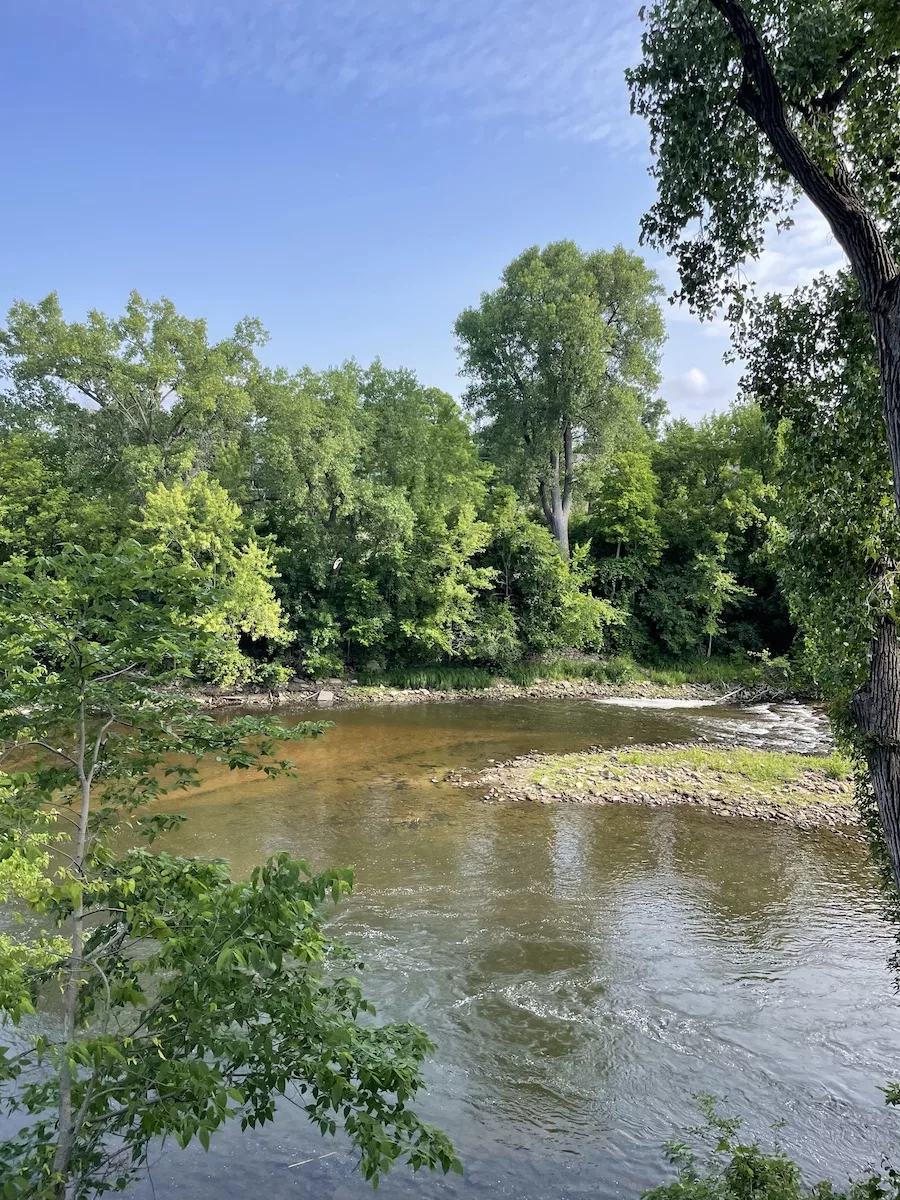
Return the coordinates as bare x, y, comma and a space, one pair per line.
325, 697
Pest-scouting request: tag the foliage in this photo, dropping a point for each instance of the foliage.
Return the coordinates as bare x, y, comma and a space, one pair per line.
737, 1170
751, 104
195, 522
39, 510
188, 998
719, 179
372, 485
348, 519
145, 394
716, 488
810, 363
547, 596
562, 359
623, 507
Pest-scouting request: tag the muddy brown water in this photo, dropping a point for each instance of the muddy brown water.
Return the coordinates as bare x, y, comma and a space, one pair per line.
583, 971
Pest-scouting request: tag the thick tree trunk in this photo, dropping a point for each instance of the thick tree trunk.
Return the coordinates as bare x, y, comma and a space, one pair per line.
877, 713
885, 319
559, 511
876, 705
832, 190
556, 491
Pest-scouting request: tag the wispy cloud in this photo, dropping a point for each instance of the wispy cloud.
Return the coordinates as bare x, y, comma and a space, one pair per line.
797, 255
556, 64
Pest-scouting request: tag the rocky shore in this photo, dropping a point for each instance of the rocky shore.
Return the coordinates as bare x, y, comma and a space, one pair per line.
806, 791
338, 693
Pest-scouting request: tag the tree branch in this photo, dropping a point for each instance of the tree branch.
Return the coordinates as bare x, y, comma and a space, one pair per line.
761, 99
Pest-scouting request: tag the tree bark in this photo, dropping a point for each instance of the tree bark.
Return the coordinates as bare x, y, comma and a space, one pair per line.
556, 492
877, 715
65, 1119
615, 577
876, 706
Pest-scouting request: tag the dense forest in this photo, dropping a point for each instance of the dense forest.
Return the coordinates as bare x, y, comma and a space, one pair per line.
355, 518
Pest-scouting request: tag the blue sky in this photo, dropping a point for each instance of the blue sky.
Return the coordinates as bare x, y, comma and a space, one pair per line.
352, 172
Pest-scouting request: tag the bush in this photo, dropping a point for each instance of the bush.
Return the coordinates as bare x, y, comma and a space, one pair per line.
271, 675
736, 1170
436, 677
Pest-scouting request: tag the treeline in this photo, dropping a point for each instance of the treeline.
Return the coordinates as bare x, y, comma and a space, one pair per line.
355, 518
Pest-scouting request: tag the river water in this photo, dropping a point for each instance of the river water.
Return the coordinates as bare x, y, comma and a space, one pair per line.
583, 971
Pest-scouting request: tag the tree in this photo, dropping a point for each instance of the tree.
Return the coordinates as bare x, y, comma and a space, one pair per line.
39, 510
188, 998
145, 395
197, 523
541, 601
751, 103
562, 357
624, 512
372, 486
715, 588
809, 363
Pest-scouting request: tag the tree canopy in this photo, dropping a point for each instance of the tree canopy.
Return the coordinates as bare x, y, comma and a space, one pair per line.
750, 104
562, 359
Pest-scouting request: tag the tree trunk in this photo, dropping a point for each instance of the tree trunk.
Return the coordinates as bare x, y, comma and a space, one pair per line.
877, 713
709, 648
66, 1122
615, 577
559, 517
885, 320
876, 706
556, 500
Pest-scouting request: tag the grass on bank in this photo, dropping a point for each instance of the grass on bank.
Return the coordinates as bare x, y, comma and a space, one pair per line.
735, 773
721, 673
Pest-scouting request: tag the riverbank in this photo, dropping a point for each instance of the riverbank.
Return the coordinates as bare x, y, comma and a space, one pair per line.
338, 693
802, 790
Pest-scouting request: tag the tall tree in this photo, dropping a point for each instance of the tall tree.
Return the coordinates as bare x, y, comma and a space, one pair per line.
810, 364
561, 357
751, 103
146, 395
624, 518
183, 998
371, 484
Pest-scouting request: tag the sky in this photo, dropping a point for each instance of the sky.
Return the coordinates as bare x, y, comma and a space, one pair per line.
353, 173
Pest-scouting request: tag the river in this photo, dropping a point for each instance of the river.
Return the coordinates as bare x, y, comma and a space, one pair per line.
584, 971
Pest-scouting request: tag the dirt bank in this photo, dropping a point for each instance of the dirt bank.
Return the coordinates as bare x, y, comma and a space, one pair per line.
803, 790
337, 693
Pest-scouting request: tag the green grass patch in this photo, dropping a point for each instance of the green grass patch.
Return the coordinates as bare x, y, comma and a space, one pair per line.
735, 772
758, 766
437, 678
618, 670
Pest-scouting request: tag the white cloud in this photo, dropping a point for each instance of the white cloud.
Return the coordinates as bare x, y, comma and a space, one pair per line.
556, 63
797, 255
691, 385
693, 393
790, 259
694, 382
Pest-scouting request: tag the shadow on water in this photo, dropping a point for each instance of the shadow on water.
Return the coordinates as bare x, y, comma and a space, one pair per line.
584, 971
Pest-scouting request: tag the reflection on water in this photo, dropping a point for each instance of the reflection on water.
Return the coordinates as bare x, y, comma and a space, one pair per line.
584, 971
